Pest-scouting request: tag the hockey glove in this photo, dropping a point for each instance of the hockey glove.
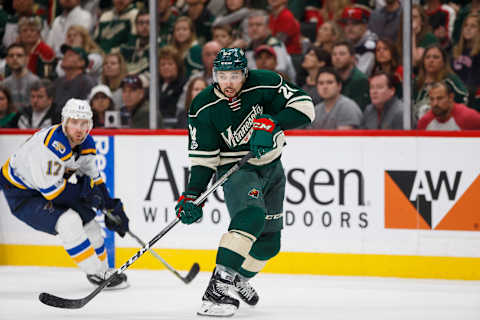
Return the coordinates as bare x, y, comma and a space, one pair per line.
120, 223
186, 211
261, 142
89, 194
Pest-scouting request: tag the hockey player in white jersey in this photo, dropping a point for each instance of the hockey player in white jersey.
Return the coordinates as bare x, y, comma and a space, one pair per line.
36, 184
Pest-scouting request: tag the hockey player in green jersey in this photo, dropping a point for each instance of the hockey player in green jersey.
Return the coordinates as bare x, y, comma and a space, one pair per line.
244, 110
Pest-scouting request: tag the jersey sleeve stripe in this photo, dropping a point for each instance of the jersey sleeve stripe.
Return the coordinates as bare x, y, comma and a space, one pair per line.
68, 156
88, 151
211, 162
55, 192
305, 107
204, 153
98, 180
49, 135
11, 177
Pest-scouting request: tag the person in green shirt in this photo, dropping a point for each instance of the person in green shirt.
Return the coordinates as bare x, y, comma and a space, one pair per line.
8, 116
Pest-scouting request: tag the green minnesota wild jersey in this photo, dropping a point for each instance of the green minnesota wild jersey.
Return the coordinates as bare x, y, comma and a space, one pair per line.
220, 127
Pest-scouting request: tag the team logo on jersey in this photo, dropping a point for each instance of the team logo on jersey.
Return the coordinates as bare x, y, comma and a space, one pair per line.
242, 133
254, 193
193, 137
58, 146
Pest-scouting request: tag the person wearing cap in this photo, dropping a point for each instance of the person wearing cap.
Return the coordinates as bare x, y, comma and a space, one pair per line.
72, 14
21, 78
41, 113
75, 83
259, 33
355, 25
135, 110
100, 99
266, 58
41, 57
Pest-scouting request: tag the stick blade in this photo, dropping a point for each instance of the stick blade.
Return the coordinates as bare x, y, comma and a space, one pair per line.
57, 302
192, 273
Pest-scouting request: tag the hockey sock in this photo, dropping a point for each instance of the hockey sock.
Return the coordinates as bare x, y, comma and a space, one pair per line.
75, 241
266, 247
94, 234
237, 242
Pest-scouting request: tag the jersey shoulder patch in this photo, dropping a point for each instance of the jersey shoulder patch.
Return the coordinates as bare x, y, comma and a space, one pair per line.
88, 146
57, 142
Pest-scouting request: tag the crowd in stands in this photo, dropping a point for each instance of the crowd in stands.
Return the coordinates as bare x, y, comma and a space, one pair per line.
346, 54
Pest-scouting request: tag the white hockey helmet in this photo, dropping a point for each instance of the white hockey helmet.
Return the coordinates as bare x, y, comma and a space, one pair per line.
77, 109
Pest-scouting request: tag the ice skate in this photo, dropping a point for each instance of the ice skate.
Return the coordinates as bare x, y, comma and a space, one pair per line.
245, 291
119, 282
216, 302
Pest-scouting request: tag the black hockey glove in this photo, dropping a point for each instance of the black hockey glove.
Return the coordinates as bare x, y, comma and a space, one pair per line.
119, 223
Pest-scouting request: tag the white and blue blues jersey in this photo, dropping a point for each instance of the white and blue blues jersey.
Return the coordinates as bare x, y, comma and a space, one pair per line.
46, 161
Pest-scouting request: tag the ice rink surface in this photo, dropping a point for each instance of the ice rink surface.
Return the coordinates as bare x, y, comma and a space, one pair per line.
158, 295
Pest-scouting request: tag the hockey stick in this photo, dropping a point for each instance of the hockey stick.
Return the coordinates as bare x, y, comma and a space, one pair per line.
58, 302
190, 275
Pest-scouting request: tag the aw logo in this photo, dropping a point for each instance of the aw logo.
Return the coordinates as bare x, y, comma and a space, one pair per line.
431, 200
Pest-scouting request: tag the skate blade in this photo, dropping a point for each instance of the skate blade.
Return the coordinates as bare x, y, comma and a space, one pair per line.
210, 309
121, 286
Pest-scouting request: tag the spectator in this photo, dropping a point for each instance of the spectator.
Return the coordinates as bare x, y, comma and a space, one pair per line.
466, 58
136, 51
75, 83
135, 110
266, 58
355, 82
327, 35
41, 57
72, 14
286, 28
259, 34
435, 67
41, 113
78, 36
437, 12
115, 25
101, 101
385, 21
439, 23
336, 111
321, 13
22, 8
202, 19
171, 82
314, 60
8, 115
166, 17
21, 79
421, 34
467, 9
114, 71
387, 59
355, 27
223, 34
445, 114
386, 110
237, 13
184, 40
195, 85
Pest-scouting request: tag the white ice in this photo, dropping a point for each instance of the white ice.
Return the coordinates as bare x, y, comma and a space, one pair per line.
160, 295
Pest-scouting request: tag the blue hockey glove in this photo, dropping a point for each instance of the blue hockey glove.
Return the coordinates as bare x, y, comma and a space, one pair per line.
120, 222
186, 211
261, 142
89, 193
